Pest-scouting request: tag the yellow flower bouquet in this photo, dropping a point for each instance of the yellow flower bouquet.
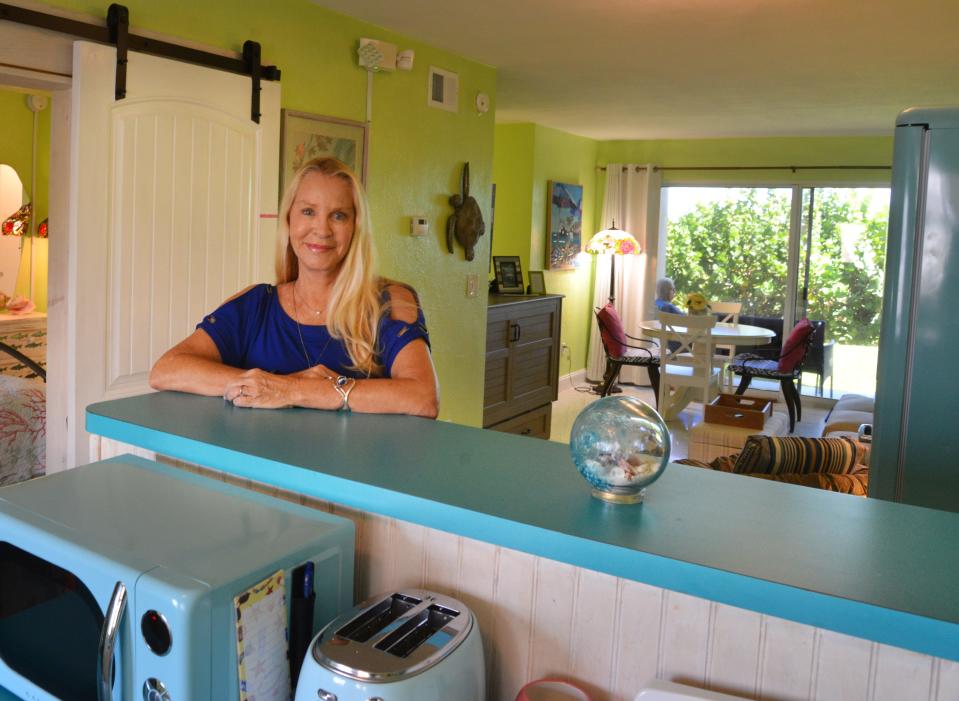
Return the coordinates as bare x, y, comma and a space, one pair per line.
697, 304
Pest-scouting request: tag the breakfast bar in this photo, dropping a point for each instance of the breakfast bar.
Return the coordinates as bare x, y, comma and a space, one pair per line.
863, 568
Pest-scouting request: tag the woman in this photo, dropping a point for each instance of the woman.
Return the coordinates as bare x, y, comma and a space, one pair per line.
330, 335
665, 291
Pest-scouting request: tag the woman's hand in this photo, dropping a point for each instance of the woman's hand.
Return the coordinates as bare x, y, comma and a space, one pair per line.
259, 390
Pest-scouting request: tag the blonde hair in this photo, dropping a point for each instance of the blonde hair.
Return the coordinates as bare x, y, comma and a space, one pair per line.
355, 305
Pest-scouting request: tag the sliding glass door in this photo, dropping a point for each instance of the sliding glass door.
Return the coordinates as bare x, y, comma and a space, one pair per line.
840, 279
785, 253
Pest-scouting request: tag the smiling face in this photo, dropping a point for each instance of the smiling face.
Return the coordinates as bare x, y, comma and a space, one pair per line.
322, 221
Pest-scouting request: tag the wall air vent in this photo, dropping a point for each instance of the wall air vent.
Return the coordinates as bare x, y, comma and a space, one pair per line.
443, 90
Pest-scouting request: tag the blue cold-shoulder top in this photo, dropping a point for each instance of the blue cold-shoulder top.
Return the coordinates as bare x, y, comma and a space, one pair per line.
254, 331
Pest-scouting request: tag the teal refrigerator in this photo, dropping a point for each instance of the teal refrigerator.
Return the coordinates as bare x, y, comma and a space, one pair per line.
915, 457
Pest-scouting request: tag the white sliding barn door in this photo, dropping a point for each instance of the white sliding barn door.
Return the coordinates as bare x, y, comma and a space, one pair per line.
172, 209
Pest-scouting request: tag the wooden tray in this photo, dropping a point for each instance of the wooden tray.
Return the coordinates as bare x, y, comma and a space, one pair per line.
736, 410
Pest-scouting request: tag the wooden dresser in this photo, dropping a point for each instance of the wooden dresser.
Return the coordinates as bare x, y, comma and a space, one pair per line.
28, 334
522, 363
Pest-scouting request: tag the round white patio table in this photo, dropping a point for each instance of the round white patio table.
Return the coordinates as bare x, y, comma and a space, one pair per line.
723, 335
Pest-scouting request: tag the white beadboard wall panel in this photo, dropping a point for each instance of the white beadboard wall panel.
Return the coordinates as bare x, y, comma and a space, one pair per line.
479, 563
842, 667
787, 660
684, 638
554, 606
733, 658
409, 565
513, 601
542, 617
376, 559
947, 683
594, 631
639, 611
901, 674
442, 558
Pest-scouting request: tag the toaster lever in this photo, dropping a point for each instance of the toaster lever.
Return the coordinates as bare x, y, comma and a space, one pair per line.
325, 695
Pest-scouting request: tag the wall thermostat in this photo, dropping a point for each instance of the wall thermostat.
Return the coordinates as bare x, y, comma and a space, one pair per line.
419, 226
482, 102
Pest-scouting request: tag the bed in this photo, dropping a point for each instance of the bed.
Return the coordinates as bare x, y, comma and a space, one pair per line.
23, 416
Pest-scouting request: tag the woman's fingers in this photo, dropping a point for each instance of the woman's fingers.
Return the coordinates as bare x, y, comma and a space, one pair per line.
256, 388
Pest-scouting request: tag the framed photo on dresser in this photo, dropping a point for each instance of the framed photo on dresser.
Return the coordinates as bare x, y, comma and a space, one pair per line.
509, 275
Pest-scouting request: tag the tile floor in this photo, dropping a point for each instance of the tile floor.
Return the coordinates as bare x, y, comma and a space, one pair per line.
572, 401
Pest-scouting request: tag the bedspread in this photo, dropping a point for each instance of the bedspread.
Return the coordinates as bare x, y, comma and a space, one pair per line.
23, 430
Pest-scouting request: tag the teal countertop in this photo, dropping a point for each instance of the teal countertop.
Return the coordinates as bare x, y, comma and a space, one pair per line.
873, 569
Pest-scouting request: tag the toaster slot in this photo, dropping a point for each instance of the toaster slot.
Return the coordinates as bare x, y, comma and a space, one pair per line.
377, 617
414, 632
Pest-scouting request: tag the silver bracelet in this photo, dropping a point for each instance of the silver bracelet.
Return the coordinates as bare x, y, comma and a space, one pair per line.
343, 385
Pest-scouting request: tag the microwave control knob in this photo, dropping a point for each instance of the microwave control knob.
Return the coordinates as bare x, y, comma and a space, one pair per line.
155, 690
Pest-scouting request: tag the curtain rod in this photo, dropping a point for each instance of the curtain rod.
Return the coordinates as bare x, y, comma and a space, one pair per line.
791, 168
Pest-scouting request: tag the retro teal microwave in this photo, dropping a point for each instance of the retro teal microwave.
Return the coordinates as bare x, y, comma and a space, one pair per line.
118, 579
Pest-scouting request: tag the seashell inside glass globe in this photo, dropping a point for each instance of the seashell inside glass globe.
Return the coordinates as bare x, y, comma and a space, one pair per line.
620, 445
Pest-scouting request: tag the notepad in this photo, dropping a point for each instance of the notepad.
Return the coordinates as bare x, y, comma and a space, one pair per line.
261, 641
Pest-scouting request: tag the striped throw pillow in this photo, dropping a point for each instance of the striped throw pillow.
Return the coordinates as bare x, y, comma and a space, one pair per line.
774, 455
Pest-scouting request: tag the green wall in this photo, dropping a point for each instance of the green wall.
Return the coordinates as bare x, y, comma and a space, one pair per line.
526, 158
416, 152
16, 142
513, 174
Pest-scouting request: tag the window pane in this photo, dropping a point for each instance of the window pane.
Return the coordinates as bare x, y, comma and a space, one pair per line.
846, 257
730, 244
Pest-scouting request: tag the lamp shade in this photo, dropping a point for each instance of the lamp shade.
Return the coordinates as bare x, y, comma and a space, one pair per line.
613, 240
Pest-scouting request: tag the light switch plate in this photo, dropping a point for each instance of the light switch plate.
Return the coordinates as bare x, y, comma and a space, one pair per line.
419, 225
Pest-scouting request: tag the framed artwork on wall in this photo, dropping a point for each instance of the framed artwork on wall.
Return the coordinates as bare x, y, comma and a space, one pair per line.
564, 222
509, 275
307, 136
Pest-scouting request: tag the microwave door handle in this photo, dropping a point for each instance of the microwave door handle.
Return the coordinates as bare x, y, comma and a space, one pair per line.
108, 641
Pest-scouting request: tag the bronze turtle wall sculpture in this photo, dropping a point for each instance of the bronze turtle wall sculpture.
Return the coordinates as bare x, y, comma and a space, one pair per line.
466, 222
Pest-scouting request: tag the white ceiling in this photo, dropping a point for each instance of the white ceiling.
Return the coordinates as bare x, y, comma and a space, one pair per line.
637, 69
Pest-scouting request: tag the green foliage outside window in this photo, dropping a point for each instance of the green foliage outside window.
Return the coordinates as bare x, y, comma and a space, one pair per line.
736, 250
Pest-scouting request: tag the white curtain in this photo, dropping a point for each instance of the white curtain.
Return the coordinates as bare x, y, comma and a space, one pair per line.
632, 199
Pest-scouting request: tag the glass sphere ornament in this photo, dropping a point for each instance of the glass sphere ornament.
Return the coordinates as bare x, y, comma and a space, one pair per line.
621, 446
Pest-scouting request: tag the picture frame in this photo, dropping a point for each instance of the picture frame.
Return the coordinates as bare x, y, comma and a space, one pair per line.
305, 136
564, 222
537, 282
509, 275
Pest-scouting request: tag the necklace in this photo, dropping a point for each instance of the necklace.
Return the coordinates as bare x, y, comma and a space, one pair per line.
299, 332
315, 312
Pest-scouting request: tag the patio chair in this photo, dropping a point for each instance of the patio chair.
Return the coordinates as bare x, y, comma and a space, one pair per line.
787, 369
620, 352
688, 365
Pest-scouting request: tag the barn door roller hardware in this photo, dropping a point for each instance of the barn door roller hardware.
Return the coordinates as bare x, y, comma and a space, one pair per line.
117, 33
